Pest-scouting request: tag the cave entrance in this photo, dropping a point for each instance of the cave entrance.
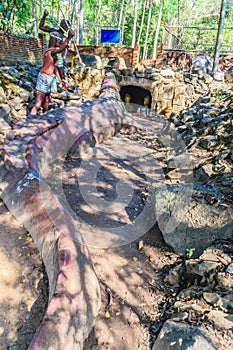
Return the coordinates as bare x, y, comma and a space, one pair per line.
136, 95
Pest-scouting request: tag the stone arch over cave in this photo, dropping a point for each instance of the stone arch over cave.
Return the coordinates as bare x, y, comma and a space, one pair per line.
136, 93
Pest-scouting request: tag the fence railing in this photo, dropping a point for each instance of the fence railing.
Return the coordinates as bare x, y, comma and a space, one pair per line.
196, 39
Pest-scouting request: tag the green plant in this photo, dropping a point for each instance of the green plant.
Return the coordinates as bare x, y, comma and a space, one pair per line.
189, 252
218, 93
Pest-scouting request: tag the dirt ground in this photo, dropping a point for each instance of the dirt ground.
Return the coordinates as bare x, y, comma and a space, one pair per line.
134, 279
135, 299
128, 277
23, 287
131, 282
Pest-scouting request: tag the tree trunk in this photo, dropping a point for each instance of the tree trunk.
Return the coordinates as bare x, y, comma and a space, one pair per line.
147, 32
34, 18
121, 13
179, 31
70, 6
72, 10
97, 21
219, 36
51, 7
77, 24
81, 29
134, 23
142, 22
123, 22
157, 30
41, 8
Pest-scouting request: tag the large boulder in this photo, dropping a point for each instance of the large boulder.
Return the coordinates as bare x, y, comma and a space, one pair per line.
117, 62
180, 336
202, 65
189, 223
91, 61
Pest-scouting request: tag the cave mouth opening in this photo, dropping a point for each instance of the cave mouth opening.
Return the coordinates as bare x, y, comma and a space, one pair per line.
136, 95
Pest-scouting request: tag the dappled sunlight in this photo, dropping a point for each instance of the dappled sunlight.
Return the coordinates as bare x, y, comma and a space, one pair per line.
20, 274
12, 283
128, 274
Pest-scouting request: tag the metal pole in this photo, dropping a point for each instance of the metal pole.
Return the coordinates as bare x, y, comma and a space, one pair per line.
219, 35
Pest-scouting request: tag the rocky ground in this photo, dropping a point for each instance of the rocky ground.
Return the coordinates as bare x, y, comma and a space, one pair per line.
143, 283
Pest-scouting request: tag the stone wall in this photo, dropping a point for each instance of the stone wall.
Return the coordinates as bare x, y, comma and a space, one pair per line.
21, 49
175, 90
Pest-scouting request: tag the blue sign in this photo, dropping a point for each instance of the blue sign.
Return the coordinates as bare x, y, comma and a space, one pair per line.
112, 36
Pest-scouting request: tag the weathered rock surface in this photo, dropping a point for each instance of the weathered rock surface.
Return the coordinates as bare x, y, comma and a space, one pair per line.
91, 61
202, 64
176, 335
186, 223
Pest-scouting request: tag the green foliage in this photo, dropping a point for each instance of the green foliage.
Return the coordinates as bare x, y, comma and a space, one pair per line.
201, 18
16, 16
189, 252
218, 94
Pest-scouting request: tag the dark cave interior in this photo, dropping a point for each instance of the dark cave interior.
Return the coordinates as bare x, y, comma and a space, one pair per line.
136, 95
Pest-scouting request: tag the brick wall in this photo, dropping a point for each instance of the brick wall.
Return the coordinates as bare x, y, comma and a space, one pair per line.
131, 56
20, 49
181, 60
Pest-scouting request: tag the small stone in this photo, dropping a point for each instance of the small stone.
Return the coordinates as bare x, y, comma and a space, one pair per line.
221, 319
201, 268
167, 72
211, 298
25, 95
194, 307
180, 317
2, 95
223, 281
230, 269
219, 76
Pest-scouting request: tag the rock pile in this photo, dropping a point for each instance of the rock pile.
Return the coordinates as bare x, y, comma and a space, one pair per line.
182, 61
206, 129
88, 79
16, 91
195, 206
203, 300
